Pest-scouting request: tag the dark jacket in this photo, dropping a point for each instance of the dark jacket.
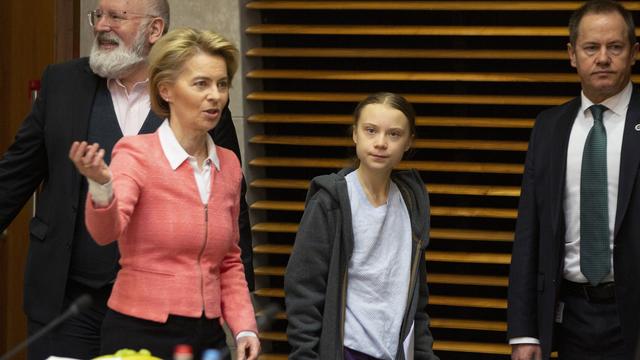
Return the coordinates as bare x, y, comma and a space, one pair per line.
316, 276
536, 272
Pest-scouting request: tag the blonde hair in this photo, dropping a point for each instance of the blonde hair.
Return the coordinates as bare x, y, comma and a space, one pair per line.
173, 50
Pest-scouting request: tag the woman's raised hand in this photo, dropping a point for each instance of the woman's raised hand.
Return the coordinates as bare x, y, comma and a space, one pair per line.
89, 160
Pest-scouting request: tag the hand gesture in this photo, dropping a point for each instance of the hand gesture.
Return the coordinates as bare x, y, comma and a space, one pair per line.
248, 348
89, 161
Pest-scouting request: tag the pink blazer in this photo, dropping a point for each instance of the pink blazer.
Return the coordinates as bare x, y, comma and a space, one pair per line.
177, 256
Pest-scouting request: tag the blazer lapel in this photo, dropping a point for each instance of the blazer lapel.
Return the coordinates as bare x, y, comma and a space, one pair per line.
82, 95
629, 158
151, 124
557, 176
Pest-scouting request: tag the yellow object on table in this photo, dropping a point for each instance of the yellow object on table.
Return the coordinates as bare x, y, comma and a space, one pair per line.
128, 354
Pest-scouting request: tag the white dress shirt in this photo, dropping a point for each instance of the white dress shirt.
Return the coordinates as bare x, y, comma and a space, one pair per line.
132, 108
613, 120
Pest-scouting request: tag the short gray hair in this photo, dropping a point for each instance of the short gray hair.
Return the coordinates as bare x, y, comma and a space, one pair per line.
160, 8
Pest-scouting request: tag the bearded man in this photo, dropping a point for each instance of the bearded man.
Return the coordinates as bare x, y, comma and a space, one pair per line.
99, 99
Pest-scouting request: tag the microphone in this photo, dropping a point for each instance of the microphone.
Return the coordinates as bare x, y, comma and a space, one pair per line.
78, 306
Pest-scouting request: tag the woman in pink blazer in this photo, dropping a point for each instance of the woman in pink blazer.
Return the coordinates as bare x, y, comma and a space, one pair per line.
170, 200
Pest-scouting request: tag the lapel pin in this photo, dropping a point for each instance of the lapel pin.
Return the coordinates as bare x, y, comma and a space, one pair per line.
637, 127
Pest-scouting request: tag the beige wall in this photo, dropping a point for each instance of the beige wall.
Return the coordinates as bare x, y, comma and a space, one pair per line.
222, 16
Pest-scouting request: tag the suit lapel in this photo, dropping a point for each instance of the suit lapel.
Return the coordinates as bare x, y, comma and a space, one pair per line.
558, 166
82, 95
629, 158
151, 123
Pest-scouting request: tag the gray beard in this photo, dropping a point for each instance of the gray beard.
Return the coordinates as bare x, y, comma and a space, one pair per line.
119, 62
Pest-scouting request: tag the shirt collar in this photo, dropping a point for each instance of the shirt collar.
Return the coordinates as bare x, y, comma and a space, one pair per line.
174, 151
114, 84
618, 103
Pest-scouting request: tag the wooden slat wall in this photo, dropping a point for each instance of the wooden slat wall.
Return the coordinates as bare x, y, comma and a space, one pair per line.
477, 73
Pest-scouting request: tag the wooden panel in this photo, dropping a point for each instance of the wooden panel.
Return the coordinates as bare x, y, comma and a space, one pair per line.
468, 324
484, 303
275, 227
435, 210
482, 348
446, 256
272, 249
456, 301
472, 234
368, 53
451, 279
403, 30
469, 258
412, 76
422, 5
514, 100
477, 73
463, 167
442, 323
464, 279
461, 144
449, 189
319, 119
445, 234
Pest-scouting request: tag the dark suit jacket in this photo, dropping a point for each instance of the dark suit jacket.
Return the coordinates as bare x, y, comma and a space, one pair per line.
40, 154
538, 251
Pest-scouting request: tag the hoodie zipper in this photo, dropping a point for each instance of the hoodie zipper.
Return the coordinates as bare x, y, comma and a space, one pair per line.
204, 245
414, 267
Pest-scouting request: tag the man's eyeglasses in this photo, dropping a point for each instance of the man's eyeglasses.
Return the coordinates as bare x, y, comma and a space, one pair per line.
113, 17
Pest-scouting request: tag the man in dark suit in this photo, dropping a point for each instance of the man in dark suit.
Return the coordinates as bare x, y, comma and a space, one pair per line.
99, 99
573, 284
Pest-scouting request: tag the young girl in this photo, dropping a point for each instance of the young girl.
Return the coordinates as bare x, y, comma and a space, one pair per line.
355, 284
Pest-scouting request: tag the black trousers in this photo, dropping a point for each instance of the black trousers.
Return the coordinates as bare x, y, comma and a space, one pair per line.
79, 336
123, 331
590, 331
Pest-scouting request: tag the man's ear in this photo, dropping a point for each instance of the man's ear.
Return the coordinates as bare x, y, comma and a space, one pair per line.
572, 55
156, 28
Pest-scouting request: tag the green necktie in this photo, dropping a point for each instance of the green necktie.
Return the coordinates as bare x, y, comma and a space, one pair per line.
595, 257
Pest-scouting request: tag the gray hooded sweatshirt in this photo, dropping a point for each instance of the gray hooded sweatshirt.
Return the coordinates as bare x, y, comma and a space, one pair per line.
315, 281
